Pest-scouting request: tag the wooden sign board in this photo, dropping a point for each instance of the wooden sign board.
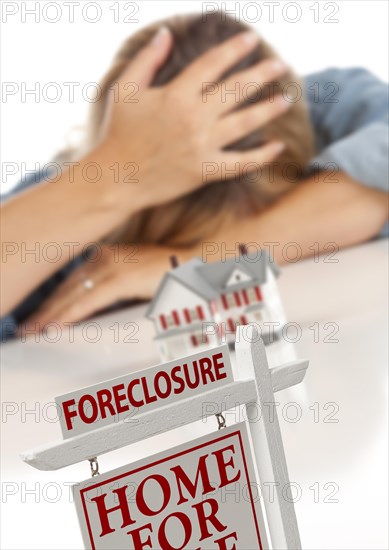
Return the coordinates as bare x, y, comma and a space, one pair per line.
125, 397
199, 495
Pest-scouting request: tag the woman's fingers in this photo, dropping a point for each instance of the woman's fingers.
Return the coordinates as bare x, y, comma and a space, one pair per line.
212, 64
96, 299
143, 67
248, 84
254, 157
241, 123
75, 306
79, 283
235, 163
51, 311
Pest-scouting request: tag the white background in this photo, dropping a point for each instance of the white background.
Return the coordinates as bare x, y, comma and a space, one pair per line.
37, 51
353, 293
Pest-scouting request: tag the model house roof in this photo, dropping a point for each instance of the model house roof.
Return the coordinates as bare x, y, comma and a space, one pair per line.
209, 280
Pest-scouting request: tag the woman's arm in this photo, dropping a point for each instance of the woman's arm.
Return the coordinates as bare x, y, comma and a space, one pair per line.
45, 227
349, 111
315, 212
341, 211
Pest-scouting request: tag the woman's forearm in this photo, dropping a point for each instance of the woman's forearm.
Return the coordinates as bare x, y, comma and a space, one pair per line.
342, 211
47, 226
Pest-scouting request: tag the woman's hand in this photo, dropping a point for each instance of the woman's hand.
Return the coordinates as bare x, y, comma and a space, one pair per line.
161, 143
122, 272
165, 135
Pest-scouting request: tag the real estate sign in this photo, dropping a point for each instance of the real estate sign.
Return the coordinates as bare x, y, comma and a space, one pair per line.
125, 397
199, 495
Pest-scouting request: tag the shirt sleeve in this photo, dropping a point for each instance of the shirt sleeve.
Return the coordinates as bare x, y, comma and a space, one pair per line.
349, 113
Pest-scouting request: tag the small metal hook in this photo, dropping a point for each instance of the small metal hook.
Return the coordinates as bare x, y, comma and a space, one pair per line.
94, 466
221, 421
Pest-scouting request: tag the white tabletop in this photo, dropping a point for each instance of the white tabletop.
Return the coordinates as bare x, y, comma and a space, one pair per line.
336, 450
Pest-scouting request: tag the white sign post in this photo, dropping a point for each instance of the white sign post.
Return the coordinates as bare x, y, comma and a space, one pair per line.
181, 498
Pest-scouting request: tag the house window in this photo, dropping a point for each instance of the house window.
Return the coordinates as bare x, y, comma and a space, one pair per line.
194, 314
200, 313
231, 299
176, 319
231, 325
199, 339
163, 321
245, 297
253, 295
237, 299
170, 320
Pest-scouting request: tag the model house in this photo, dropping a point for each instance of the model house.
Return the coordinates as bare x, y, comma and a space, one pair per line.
199, 305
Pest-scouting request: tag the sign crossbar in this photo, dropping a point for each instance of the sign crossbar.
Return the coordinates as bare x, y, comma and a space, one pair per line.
125, 432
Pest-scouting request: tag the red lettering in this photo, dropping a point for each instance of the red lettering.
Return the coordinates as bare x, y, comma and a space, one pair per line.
178, 380
186, 524
206, 370
130, 396
164, 375
138, 543
69, 414
148, 398
95, 409
104, 512
181, 477
119, 398
222, 542
223, 464
140, 499
192, 384
104, 398
219, 365
210, 518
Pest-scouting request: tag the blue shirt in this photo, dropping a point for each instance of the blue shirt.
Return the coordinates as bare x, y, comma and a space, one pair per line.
349, 113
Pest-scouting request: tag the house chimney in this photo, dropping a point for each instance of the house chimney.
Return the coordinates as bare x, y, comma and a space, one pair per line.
242, 249
173, 261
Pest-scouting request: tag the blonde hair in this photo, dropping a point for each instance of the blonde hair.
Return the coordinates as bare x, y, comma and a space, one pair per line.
193, 218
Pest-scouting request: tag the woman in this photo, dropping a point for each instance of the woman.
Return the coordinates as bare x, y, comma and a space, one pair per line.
262, 205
